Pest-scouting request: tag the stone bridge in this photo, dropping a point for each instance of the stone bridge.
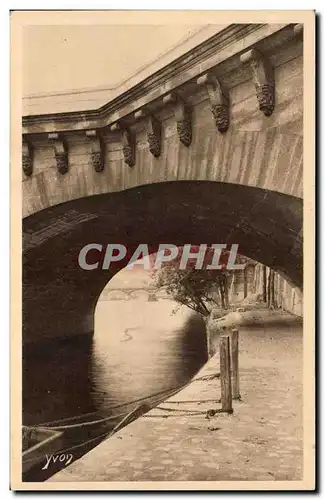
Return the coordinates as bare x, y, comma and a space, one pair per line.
207, 149
132, 294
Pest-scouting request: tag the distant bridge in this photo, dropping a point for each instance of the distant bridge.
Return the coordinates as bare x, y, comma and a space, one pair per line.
132, 294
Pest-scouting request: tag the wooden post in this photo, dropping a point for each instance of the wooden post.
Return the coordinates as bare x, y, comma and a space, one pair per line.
234, 364
208, 339
245, 283
264, 285
269, 289
225, 374
272, 289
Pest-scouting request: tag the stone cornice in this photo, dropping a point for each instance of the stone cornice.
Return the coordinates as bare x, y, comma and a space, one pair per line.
221, 51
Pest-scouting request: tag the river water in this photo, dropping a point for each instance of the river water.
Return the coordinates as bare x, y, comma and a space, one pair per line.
139, 348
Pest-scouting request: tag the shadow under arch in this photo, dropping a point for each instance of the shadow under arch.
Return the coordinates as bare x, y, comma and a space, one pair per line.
59, 297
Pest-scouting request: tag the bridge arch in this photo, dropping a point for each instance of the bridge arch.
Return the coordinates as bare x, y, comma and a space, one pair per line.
59, 298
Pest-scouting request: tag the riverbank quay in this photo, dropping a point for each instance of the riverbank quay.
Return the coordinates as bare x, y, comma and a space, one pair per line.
180, 440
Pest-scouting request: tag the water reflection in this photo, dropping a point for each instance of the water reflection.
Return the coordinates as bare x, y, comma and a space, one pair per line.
139, 348
151, 349
57, 380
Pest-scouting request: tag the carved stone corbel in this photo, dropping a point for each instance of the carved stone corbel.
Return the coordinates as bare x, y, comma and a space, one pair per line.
218, 99
183, 115
97, 150
60, 151
128, 143
263, 76
27, 158
153, 129
154, 136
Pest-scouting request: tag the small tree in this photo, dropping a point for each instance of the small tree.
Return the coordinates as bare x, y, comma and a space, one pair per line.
197, 289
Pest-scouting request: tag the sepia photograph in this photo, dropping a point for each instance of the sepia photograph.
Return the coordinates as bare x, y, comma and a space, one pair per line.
162, 333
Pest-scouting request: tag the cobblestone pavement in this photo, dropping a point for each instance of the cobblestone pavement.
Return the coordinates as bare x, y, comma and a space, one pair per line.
261, 440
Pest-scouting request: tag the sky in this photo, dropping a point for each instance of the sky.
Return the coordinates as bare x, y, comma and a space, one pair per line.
60, 58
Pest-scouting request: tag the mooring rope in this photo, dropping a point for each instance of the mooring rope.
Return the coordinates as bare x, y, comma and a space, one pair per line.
171, 412
87, 424
195, 401
169, 392
183, 414
68, 419
207, 377
194, 412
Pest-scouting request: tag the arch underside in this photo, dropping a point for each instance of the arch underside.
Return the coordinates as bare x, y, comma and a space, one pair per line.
59, 297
